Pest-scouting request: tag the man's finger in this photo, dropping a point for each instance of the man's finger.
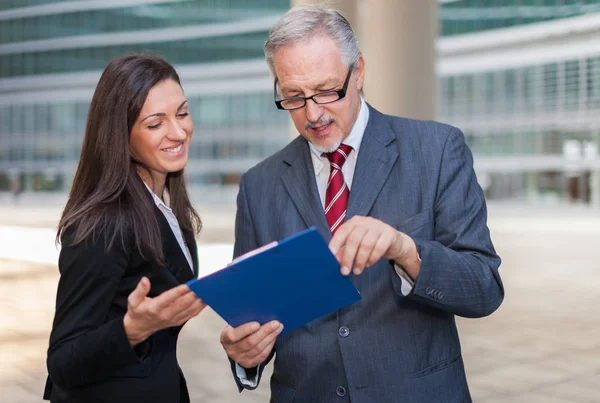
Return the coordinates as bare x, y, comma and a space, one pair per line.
234, 334
353, 242
266, 330
259, 358
339, 238
382, 245
364, 251
139, 293
268, 340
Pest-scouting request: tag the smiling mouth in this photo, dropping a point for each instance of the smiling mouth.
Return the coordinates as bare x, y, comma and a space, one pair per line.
173, 150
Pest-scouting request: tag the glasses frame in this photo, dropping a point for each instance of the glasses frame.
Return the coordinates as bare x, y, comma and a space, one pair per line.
341, 93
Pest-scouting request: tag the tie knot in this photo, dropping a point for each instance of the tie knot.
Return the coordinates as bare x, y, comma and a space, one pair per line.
339, 156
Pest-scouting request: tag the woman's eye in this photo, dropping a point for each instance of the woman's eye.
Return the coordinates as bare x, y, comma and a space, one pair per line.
156, 126
182, 115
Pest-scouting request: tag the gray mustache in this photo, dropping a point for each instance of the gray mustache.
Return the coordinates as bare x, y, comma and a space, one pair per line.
323, 121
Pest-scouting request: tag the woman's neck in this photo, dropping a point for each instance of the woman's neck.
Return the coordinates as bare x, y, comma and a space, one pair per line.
155, 183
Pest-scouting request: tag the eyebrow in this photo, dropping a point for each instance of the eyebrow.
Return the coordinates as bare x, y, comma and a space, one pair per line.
329, 82
326, 83
163, 114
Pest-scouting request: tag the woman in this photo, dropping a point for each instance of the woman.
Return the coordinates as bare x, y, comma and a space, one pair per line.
128, 247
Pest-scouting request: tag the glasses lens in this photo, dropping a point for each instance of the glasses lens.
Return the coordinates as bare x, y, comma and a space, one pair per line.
326, 97
292, 103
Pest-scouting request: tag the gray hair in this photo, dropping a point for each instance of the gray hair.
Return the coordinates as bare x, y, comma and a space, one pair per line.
306, 21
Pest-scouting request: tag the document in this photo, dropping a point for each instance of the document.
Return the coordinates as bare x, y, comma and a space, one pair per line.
294, 281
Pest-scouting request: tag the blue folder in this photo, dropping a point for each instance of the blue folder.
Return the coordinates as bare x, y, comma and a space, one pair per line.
294, 281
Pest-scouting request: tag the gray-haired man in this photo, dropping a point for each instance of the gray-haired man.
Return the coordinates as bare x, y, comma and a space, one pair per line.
400, 203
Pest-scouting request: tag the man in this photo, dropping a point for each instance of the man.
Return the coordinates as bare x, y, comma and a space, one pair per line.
409, 225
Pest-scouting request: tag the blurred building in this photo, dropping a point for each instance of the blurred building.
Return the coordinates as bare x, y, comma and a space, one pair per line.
522, 79
52, 53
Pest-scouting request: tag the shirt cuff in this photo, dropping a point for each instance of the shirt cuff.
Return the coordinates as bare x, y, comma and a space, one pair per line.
243, 377
406, 284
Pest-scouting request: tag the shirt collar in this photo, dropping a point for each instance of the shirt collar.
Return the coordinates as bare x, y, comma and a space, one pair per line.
157, 200
353, 140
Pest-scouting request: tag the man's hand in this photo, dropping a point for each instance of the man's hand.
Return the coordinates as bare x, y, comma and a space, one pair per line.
146, 316
250, 344
362, 241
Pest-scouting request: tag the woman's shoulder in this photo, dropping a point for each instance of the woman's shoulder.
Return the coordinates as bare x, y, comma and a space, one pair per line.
95, 247
106, 231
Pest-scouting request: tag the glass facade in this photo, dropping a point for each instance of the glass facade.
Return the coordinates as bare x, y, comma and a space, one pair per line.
567, 86
42, 124
136, 18
466, 16
533, 128
201, 50
530, 122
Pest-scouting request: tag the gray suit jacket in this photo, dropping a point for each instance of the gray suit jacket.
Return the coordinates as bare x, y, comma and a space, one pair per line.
418, 177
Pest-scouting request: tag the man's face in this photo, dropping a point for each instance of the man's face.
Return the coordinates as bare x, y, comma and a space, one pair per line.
313, 66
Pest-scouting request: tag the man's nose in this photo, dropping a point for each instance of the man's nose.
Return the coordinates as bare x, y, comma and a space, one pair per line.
314, 111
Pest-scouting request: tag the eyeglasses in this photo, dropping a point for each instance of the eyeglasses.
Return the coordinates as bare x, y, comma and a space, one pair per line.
325, 97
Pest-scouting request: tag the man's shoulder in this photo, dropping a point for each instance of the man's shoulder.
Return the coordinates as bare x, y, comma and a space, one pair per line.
416, 127
415, 133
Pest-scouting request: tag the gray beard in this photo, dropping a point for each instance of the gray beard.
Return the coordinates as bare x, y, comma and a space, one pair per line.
331, 149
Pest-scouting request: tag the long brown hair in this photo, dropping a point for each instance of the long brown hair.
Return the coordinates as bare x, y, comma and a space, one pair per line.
108, 196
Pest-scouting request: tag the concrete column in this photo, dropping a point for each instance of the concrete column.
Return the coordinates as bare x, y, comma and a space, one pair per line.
595, 189
531, 187
397, 39
595, 175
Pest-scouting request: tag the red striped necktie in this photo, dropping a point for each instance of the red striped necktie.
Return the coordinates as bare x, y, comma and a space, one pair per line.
337, 194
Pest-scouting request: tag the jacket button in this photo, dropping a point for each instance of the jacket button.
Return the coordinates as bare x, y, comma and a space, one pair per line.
340, 391
344, 331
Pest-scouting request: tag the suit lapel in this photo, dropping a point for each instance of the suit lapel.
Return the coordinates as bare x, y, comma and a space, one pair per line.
375, 161
374, 164
299, 181
176, 261
194, 252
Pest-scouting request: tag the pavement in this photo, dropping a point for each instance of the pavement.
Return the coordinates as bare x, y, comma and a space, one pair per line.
542, 345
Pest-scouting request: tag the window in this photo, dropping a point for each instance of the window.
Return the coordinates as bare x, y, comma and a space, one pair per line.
490, 92
572, 84
550, 86
529, 87
510, 90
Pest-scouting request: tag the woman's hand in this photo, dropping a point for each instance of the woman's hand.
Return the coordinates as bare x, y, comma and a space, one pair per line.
145, 315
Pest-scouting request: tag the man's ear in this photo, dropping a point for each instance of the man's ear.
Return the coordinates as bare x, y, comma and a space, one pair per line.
359, 72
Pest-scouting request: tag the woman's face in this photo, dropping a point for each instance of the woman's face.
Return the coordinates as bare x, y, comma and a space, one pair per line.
161, 135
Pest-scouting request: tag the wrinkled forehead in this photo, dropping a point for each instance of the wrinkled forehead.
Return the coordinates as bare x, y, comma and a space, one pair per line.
316, 60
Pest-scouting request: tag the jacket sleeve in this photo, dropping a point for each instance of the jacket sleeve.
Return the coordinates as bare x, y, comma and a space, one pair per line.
84, 347
459, 268
245, 241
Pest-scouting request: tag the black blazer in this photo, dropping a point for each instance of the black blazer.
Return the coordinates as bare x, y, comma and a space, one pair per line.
90, 358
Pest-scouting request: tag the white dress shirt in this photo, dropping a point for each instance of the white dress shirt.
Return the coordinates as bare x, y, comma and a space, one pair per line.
172, 220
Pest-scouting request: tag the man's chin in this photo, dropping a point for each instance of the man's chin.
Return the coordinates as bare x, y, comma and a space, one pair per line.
326, 146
